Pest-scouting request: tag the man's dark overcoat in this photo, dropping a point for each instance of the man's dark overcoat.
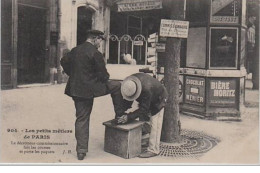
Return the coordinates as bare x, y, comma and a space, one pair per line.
87, 72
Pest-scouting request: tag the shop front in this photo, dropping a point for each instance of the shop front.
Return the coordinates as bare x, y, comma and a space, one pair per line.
212, 72
132, 24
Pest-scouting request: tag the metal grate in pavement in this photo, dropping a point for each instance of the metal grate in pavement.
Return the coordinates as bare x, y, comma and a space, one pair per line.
194, 144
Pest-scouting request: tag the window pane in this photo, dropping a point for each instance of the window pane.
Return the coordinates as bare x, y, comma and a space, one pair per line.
223, 48
134, 22
196, 48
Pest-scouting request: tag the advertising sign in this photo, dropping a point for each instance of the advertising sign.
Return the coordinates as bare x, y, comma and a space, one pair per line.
222, 92
138, 43
151, 51
181, 88
224, 11
195, 90
160, 47
218, 5
174, 28
138, 5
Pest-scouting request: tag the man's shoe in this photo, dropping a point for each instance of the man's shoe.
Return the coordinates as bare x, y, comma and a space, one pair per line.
81, 156
147, 154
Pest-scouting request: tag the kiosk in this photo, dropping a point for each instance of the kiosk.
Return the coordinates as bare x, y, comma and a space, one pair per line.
214, 72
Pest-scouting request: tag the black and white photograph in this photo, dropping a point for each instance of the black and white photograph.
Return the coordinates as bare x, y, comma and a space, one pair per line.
129, 82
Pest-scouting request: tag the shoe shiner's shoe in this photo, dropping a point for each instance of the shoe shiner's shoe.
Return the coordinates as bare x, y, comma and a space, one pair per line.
145, 140
81, 156
147, 154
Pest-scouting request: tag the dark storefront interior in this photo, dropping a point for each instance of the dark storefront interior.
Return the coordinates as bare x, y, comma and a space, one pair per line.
132, 24
31, 44
84, 23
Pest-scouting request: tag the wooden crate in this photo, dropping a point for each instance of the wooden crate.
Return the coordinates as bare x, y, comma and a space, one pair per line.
123, 140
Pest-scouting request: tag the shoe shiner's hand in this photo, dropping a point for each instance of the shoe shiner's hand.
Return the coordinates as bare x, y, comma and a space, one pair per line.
122, 120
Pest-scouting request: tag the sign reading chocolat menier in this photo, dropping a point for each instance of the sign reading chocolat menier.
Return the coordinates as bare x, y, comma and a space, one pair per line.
195, 90
222, 92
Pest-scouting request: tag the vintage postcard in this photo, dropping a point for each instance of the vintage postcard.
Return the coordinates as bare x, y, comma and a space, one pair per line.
130, 82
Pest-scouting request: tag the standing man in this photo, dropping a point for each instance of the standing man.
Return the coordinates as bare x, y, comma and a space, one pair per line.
151, 96
88, 78
250, 44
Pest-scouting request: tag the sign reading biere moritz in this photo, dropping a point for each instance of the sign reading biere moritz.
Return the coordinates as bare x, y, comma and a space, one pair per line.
174, 28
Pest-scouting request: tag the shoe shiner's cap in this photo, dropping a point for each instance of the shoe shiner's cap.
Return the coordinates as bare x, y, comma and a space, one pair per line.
131, 88
96, 33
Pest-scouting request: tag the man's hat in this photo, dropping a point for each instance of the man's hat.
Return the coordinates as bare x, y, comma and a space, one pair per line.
131, 88
97, 33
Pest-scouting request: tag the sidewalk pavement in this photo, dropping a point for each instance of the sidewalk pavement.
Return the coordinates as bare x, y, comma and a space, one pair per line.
47, 108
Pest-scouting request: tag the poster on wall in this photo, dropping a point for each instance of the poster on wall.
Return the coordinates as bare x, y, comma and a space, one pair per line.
194, 90
224, 11
222, 92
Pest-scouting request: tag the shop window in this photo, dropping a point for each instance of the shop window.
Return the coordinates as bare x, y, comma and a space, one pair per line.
196, 53
124, 38
197, 11
134, 28
84, 23
117, 29
129, 32
223, 48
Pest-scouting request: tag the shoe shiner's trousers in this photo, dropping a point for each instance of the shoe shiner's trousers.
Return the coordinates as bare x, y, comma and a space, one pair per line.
155, 135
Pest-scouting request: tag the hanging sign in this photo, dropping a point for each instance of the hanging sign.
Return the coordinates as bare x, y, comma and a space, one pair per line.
138, 43
154, 35
152, 40
151, 51
174, 28
138, 5
151, 59
160, 47
222, 93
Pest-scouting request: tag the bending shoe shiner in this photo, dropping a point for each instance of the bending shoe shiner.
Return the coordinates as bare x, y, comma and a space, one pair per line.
151, 96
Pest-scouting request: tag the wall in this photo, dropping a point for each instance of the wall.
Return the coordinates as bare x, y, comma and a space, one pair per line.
69, 19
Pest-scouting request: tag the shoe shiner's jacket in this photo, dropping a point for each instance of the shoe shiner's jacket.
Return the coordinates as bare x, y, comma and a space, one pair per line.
152, 99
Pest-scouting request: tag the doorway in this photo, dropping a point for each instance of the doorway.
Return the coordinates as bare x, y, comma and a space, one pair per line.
84, 23
31, 48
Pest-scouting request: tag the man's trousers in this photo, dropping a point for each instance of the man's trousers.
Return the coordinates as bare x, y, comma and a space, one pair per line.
83, 108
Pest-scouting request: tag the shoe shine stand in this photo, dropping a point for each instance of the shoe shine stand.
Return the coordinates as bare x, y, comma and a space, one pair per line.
123, 140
